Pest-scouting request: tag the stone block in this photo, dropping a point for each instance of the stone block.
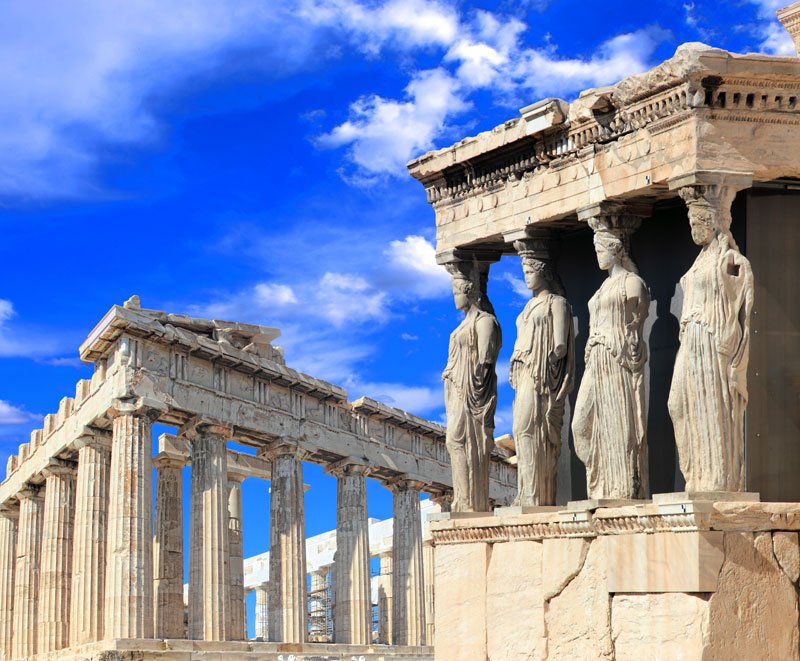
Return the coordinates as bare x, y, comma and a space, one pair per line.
461, 572
659, 626
787, 552
663, 562
515, 577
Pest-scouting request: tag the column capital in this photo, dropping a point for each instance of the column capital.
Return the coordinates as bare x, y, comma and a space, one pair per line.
30, 492
404, 483
236, 475
618, 217
348, 466
140, 407
468, 256
93, 437
712, 191
443, 499
197, 426
167, 460
9, 512
285, 449
59, 467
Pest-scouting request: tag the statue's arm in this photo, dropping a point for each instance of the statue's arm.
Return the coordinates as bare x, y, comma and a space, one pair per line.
486, 330
562, 320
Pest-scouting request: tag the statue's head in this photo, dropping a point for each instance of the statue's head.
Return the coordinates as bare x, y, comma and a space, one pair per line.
610, 250
709, 212
702, 221
538, 274
464, 293
538, 267
612, 233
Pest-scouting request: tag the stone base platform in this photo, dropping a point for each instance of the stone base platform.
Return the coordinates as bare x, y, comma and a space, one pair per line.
186, 650
682, 580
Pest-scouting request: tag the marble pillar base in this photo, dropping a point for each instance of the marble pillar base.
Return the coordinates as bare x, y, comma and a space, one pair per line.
696, 580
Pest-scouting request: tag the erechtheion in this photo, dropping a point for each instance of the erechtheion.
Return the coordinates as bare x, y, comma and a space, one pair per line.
647, 504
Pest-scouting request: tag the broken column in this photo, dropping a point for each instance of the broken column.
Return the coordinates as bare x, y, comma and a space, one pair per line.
408, 598
353, 603
288, 594
55, 564
168, 547
89, 546
26, 577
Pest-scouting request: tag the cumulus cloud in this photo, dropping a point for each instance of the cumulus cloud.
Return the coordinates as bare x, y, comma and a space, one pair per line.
517, 285
413, 267
774, 37
15, 415
420, 400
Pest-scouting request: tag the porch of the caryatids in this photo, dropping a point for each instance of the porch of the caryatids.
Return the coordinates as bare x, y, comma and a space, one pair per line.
408, 580
209, 554
708, 395
26, 576
168, 547
288, 591
89, 537
353, 602
129, 552
238, 622
470, 381
609, 423
9, 521
55, 564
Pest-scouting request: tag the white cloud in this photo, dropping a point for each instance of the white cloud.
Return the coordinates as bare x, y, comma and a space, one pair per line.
413, 267
273, 294
17, 340
408, 337
420, 400
774, 37
344, 298
517, 284
15, 415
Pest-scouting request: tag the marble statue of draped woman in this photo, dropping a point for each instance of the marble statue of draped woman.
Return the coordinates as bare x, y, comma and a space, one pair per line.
470, 393
541, 373
708, 395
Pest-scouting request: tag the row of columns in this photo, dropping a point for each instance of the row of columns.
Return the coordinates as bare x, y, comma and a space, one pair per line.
80, 559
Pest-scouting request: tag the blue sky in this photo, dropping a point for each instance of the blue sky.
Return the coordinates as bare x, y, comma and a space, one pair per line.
245, 160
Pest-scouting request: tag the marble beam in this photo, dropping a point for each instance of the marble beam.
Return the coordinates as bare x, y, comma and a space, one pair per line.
9, 519
55, 565
353, 603
89, 544
26, 577
129, 552
408, 584
168, 547
238, 621
209, 571
288, 594
262, 612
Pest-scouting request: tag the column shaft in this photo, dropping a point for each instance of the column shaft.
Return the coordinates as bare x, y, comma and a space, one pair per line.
428, 574
55, 579
168, 549
26, 577
262, 612
288, 594
129, 564
89, 546
238, 622
8, 559
353, 609
209, 573
408, 604
385, 600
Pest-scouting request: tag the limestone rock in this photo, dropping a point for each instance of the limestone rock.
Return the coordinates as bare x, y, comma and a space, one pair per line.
787, 552
515, 577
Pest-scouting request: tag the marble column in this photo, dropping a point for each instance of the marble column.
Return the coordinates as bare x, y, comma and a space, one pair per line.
129, 552
238, 621
55, 565
168, 547
9, 518
262, 612
428, 574
319, 612
288, 594
89, 545
26, 576
353, 603
209, 554
408, 603
385, 600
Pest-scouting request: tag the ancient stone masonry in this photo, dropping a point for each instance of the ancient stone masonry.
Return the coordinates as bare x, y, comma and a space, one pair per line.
84, 566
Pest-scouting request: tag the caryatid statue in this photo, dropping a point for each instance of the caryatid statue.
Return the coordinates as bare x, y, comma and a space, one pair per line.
708, 396
470, 387
541, 373
609, 423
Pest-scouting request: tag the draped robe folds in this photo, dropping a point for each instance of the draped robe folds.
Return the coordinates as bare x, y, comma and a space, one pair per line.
541, 389
609, 422
708, 395
470, 393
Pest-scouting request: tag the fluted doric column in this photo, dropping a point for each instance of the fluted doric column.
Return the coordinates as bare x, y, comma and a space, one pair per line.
209, 568
318, 607
353, 603
288, 594
9, 518
168, 547
26, 577
89, 545
408, 585
385, 600
262, 612
428, 559
55, 579
129, 554
238, 621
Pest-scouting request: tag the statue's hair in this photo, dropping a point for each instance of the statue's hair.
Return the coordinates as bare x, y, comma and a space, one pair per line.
613, 232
